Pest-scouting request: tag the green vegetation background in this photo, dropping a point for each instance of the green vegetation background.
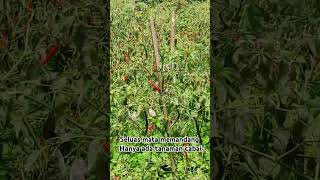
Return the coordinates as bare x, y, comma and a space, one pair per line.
53, 116
266, 100
186, 73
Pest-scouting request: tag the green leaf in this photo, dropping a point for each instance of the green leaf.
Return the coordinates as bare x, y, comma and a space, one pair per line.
80, 36
61, 163
32, 158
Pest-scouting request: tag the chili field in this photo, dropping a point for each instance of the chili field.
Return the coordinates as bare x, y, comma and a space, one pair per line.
266, 91
53, 95
160, 86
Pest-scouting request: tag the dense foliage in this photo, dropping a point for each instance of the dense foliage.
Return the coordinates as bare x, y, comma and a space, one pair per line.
186, 83
52, 89
266, 91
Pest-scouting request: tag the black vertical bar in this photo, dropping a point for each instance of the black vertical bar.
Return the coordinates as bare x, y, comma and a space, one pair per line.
107, 50
211, 91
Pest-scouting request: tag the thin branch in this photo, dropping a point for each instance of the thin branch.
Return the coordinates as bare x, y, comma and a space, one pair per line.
173, 32
93, 105
274, 159
76, 124
290, 151
156, 51
133, 6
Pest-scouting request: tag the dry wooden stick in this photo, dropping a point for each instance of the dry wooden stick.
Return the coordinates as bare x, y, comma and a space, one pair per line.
173, 31
133, 6
157, 58
163, 101
156, 52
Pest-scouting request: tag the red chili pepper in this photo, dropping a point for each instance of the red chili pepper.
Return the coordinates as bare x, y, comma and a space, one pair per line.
4, 40
105, 147
59, 3
155, 86
125, 78
53, 50
151, 128
127, 57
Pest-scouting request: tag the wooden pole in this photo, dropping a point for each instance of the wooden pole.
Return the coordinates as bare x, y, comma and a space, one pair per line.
133, 6
156, 52
173, 31
163, 101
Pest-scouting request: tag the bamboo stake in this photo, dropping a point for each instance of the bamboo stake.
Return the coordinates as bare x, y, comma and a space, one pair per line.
133, 6
156, 52
162, 99
173, 31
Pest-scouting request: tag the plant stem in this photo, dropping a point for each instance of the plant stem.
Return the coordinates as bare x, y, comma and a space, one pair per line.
173, 32
160, 83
